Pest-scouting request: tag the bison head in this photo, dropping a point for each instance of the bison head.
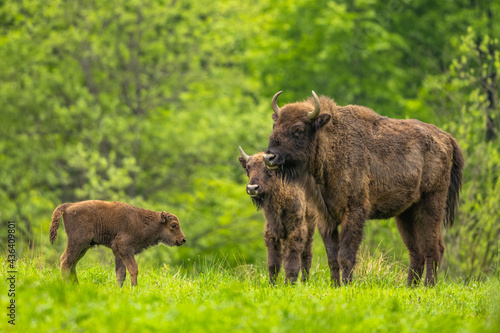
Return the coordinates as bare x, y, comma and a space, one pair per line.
171, 233
294, 133
259, 177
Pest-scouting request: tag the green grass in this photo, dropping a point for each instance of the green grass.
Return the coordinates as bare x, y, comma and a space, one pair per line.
212, 298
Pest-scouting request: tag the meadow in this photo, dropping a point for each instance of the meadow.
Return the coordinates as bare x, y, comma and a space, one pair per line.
146, 102
212, 297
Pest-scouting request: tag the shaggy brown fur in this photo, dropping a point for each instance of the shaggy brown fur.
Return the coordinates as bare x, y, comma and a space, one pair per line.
358, 165
126, 229
289, 227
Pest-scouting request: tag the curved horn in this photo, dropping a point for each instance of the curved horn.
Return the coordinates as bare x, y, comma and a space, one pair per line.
317, 107
245, 156
274, 102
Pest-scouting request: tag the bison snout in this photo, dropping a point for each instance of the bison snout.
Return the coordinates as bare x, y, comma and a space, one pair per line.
269, 160
253, 189
180, 242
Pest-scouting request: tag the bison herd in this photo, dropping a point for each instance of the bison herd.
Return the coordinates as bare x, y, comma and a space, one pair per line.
326, 165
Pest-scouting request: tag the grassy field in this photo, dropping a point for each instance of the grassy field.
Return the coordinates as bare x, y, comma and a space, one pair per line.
211, 298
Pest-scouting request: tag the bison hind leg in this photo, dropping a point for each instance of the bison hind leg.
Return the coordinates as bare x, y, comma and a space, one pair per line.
406, 226
69, 259
432, 213
420, 228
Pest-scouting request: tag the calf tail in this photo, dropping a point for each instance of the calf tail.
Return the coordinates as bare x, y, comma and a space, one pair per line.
455, 184
56, 217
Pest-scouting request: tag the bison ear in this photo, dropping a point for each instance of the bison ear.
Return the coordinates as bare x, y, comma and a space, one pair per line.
242, 162
321, 121
163, 217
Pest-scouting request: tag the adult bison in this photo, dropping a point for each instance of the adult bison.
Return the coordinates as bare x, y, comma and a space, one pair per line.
356, 165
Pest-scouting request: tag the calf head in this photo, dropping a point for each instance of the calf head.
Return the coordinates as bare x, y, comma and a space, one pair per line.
294, 132
171, 232
259, 177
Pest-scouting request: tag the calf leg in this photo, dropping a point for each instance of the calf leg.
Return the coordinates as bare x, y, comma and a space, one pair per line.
274, 256
406, 226
127, 256
120, 270
293, 248
73, 267
330, 235
351, 236
75, 250
306, 258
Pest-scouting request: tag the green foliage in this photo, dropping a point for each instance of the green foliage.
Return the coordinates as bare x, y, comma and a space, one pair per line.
219, 298
335, 49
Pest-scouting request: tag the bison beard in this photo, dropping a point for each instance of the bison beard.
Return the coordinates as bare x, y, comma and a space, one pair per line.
292, 171
258, 201
356, 165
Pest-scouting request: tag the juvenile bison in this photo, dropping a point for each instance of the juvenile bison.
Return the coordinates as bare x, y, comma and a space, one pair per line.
357, 165
289, 227
126, 229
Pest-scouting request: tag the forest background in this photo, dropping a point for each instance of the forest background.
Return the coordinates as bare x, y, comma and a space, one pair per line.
146, 102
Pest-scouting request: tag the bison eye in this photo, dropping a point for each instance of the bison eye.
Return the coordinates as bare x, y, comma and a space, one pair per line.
297, 130
174, 226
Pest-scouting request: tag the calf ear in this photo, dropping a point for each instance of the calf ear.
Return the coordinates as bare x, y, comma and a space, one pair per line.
163, 217
321, 121
242, 162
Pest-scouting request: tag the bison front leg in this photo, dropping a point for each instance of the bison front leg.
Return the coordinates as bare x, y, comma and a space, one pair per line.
351, 236
120, 269
292, 253
127, 256
306, 258
330, 236
274, 256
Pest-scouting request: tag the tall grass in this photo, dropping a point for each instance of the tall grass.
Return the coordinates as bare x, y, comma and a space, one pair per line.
210, 296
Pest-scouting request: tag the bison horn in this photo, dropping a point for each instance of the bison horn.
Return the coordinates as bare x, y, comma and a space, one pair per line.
245, 156
274, 103
317, 107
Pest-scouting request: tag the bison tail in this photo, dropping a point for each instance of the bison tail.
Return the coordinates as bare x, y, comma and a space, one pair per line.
455, 184
56, 217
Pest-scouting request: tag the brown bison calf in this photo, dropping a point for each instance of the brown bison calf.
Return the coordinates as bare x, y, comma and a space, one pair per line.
126, 229
289, 227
